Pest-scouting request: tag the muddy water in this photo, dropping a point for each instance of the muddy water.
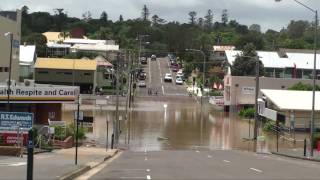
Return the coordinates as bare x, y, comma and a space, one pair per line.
174, 125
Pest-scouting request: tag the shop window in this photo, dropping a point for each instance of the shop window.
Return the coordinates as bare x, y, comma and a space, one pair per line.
1, 69
87, 74
6, 69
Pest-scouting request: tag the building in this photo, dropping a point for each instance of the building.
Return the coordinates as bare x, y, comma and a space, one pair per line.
292, 108
10, 22
283, 70
77, 72
27, 59
101, 49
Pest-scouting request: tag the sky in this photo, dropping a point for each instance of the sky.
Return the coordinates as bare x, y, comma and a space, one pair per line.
267, 13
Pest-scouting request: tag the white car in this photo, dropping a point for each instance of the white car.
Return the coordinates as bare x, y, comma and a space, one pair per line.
168, 77
142, 84
179, 81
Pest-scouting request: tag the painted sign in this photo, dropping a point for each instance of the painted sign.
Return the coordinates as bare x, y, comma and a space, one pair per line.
25, 93
248, 90
10, 121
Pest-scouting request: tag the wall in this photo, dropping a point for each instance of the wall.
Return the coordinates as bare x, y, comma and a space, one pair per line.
235, 93
8, 25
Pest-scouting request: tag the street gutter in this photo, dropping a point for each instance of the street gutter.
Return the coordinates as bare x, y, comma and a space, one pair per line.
296, 157
83, 169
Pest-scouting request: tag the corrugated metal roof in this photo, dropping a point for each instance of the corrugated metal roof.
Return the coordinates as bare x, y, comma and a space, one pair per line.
84, 41
95, 47
272, 59
56, 63
27, 54
292, 100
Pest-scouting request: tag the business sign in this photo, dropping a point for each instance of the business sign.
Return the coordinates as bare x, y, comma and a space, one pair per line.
248, 90
26, 93
11, 121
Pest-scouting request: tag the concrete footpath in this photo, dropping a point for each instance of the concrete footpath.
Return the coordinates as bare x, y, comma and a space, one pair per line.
297, 153
59, 164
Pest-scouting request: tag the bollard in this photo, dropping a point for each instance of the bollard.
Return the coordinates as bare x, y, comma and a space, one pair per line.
305, 147
30, 156
112, 140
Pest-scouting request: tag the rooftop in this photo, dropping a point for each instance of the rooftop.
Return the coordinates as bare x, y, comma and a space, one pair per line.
273, 60
95, 47
83, 41
56, 63
292, 100
27, 54
53, 37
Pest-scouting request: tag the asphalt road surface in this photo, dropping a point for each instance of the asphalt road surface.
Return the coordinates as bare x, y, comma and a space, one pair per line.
205, 164
156, 71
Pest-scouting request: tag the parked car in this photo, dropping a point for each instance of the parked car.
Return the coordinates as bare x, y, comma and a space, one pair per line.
143, 60
180, 76
179, 81
175, 68
153, 57
142, 84
142, 76
168, 77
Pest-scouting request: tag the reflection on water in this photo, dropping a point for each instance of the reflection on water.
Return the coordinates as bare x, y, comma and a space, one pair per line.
164, 125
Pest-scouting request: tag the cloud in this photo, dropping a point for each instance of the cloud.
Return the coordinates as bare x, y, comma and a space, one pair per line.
267, 13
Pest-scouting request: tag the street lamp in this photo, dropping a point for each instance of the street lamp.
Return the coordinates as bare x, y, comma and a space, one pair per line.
10, 35
313, 73
204, 66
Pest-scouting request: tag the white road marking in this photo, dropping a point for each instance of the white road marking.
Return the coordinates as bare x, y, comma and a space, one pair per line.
148, 170
132, 177
13, 164
145, 158
209, 156
256, 170
226, 161
148, 177
162, 90
197, 151
149, 71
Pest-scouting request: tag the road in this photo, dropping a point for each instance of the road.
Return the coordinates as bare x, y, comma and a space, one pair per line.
156, 71
170, 136
205, 164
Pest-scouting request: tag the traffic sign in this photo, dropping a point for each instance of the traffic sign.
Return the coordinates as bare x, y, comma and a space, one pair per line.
10, 121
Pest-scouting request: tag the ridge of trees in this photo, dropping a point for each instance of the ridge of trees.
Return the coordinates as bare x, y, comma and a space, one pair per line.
198, 33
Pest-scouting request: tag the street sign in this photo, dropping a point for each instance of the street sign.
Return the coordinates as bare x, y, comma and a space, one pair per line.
80, 115
10, 121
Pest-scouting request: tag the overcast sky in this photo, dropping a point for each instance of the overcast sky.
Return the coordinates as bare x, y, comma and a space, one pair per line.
267, 13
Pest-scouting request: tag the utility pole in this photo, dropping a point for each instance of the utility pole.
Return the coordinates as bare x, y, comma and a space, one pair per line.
116, 120
256, 115
10, 68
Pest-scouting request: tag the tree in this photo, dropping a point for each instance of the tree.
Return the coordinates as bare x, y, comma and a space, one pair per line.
25, 10
255, 27
208, 19
156, 20
297, 28
59, 18
192, 17
104, 17
244, 65
87, 16
145, 13
303, 87
120, 18
39, 40
224, 16
201, 22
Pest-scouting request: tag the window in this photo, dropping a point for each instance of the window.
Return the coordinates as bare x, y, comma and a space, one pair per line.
68, 73
87, 74
1, 69
6, 69
42, 72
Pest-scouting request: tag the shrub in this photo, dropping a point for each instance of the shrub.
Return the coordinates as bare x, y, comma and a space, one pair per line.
316, 138
59, 132
247, 113
269, 126
71, 129
215, 93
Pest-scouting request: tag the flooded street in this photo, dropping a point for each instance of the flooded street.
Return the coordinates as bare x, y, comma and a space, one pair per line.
174, 125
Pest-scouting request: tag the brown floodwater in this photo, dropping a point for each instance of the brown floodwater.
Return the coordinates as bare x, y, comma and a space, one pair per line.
175, 125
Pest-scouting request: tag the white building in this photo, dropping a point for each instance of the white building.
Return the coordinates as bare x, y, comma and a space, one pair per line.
27, 60
10, 21
282, 70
